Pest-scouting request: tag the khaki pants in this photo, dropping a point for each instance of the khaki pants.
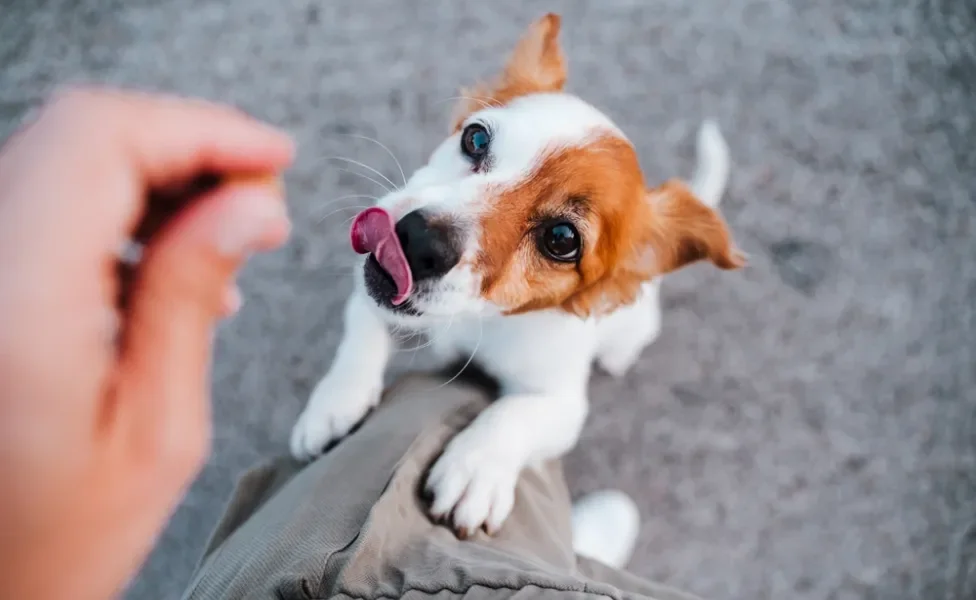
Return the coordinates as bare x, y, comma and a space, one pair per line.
352, 524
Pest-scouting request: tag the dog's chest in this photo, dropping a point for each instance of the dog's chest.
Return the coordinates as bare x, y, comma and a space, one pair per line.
538, 350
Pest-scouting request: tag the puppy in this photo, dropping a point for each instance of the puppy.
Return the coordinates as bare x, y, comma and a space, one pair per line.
530, 242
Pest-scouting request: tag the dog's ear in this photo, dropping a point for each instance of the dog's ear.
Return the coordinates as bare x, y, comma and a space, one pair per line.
683, 230
536, 65
665, 230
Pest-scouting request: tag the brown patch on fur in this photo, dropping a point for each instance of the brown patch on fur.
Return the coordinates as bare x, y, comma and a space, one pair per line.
535, 66
686, 231
629, 235
668, 229
597, 187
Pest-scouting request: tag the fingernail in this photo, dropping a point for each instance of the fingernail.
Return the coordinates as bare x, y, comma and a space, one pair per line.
232, 300
249, 218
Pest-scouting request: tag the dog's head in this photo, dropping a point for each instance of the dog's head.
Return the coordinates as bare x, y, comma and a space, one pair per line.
535, 201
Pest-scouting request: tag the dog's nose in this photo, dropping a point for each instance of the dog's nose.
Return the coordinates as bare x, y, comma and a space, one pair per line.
430, 248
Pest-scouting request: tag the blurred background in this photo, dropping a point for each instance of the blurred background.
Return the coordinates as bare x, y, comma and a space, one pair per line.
803, 428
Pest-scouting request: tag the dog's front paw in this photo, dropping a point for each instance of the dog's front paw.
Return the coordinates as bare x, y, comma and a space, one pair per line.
332, 411
472, 484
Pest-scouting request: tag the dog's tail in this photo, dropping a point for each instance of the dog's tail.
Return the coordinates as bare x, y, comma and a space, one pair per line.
712, 173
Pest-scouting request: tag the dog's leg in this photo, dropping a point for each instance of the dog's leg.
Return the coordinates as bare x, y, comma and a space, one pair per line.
352, 385
473, 483
627, 331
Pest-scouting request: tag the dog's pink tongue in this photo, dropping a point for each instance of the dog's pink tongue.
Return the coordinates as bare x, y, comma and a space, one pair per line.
373, 231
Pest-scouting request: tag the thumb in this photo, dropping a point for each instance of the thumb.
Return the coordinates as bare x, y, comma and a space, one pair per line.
163, 383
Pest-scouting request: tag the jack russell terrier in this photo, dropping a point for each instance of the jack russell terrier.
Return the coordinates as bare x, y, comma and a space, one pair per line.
531, 242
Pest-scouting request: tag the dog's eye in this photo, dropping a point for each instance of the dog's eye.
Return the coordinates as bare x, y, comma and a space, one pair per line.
560, 241
475, 140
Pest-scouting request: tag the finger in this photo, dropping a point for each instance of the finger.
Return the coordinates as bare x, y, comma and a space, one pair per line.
116, 145
231, 301
169, 138
162, 391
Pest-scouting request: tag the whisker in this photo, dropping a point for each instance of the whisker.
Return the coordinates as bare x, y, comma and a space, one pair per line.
350, 219
363, 165
335, 201
339, 210
481, 335
403, 334
408, 334
426, 344
433, 339
414, 348
388, 151
401, 339
413, 358
482, 101
366, 177
318, 286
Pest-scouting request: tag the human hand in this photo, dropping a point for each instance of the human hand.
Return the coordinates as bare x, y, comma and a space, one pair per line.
104, 417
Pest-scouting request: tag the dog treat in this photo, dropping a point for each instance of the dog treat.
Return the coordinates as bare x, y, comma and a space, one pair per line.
162, 206
374, 232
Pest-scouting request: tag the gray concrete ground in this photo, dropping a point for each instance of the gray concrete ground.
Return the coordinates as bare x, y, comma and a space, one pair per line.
802, 429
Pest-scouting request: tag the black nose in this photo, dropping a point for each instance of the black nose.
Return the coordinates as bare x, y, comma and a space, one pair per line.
430, 248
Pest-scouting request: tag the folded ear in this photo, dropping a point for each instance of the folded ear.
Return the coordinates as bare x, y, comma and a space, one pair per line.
536, 65
684, 230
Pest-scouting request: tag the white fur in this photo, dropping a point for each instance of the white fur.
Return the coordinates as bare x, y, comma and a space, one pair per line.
353, 384
712, 173
542, 359
605, 527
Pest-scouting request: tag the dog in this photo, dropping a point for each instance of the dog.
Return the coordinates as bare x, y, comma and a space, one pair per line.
530, 242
